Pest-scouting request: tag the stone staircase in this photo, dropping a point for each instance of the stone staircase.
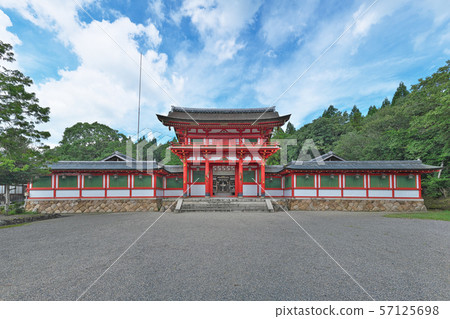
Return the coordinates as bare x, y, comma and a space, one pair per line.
223, 205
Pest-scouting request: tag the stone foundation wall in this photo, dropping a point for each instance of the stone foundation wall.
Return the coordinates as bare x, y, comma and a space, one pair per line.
355, 205
98, 206
158, 204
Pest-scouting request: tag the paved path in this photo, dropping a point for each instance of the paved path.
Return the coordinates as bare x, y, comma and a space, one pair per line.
226, 256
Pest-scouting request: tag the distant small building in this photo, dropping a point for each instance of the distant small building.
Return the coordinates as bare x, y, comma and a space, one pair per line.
224, 154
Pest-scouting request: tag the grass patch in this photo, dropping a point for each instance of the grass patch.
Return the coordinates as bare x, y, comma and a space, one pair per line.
435, 215
15, 225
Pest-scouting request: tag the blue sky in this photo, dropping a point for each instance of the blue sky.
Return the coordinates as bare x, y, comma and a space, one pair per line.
83, 55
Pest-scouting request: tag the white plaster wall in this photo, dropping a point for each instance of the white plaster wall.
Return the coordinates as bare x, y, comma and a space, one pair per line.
198, 190
330, 192
159, 193
142, 192
380, 193
354, 193
44, 193
67, 193
250, 190
274, 192
288, 193
93, 193
406, 193
118, 193
173, 192
305, 192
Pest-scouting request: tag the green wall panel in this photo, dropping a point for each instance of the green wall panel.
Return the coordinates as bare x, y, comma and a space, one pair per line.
302, 181
43, 182
120, 182
96, 181
143, 181
159, 182
249, 176
377, 181
403, 181
327, 181
274, 183
288, 182
174, 183
198, 176
68, 182
353, 181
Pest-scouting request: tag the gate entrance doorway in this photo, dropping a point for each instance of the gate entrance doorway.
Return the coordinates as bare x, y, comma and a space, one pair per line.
223, 181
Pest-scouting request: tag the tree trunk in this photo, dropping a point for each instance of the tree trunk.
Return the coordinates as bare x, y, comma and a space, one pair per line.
7, 199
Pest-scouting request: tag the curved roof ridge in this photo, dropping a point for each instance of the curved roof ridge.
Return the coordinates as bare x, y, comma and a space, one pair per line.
222, 110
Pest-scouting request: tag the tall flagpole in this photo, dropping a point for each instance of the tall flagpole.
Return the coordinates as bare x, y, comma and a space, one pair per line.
139, 108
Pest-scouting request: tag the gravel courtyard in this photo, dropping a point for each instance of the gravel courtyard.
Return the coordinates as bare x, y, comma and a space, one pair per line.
226, 256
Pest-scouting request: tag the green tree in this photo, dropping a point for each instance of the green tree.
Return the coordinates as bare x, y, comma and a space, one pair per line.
356, 118
331, 111
290, 129
21, 147
372, 110
385, 103
401, 92
89, 142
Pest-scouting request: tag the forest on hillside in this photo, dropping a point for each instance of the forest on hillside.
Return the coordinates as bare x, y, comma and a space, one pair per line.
414, 124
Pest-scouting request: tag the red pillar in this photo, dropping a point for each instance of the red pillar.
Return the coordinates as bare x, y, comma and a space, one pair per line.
185, 178
207, 191
263, 178
240, 186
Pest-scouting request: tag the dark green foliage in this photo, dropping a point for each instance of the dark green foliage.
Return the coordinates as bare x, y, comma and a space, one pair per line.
89, 142
385, 103
290, 129
416, 125
21, 148
401, 92
372, 110
356, 118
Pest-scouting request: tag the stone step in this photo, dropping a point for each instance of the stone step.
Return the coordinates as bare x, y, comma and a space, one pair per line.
225, 205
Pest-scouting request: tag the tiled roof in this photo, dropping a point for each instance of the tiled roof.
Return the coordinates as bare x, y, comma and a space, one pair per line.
235, 115
119, 155
310, 165
104, 165
328, 156
222, 110
361, 165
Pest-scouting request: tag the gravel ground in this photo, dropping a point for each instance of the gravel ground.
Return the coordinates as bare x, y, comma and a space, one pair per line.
226, 256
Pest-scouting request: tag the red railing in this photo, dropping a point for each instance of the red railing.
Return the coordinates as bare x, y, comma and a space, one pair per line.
243, 144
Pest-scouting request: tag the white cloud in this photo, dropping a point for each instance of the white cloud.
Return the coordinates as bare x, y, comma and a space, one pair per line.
104, 86
282, 20
5, 35
219, 23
